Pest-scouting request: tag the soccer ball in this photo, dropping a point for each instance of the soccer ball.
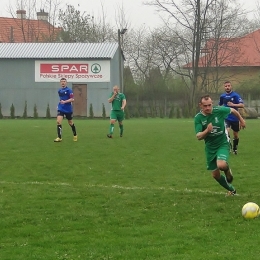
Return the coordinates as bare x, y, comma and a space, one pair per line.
250, 210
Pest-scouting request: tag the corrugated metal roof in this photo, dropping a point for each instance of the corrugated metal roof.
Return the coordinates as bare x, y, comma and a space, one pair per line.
57, 50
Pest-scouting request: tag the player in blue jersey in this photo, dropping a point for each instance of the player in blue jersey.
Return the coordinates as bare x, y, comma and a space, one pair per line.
65, 109
232, 99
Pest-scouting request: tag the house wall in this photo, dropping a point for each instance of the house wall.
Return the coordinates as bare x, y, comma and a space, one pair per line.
18, 85
237, 75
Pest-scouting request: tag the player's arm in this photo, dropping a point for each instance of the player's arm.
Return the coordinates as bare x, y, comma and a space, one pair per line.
67, 101
71, 99
237, 114
202, 135
112, 97
123, 104
238, 103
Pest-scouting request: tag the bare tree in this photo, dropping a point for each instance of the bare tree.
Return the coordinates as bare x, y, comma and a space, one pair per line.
79, 26
139, 53
27, 24
194, 23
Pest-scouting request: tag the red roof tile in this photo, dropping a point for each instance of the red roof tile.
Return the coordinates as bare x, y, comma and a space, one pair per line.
234, 52
26, 30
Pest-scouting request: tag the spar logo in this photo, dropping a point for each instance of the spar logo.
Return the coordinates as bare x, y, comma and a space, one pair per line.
79, 68
95, 68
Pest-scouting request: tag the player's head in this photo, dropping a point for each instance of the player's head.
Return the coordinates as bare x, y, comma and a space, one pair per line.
63, 82
116, 89
227, 86
206, 104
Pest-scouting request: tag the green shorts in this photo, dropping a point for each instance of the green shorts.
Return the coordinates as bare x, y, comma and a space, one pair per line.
118, 115
212, 155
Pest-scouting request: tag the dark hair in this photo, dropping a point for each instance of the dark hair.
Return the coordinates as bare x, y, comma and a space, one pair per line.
63, 79
206, 97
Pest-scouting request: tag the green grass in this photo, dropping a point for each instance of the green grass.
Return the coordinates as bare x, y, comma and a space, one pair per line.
147, 195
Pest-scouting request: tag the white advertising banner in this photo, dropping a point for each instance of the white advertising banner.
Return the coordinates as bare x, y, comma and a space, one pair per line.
74, 71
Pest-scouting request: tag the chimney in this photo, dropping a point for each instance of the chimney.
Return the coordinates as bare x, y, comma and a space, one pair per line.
42, 15
21, 14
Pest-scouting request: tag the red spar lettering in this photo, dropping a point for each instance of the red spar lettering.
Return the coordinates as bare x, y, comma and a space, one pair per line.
64, 68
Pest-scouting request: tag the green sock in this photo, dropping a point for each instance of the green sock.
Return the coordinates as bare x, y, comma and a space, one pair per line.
121, 129
223, 182
111, 129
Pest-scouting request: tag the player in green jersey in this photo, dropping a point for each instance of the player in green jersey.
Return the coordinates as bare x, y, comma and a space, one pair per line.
118, 102
210, 127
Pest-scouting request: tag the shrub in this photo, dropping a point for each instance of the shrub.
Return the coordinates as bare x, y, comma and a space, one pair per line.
35, 112
186, 113
25, 110
91, 113
12, 111
145, 115
1, 115
171, 114
161, 112
136, 113
103, 111
178, 112
153, 112
48, 112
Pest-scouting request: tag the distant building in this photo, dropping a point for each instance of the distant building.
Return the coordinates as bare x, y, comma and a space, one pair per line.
22, 29
30, 72
235, 59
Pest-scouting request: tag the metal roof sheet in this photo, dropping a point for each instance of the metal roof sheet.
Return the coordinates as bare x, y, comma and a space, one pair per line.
57, 50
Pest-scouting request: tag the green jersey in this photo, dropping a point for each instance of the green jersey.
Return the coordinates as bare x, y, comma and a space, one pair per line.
218, 136
118, 101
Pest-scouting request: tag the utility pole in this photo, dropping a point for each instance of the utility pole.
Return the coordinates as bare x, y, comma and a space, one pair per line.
121, 81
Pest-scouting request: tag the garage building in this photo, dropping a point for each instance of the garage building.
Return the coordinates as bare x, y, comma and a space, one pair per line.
30, 73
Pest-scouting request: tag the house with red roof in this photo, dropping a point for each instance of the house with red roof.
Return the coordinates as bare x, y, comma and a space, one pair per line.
235, 59
21, 29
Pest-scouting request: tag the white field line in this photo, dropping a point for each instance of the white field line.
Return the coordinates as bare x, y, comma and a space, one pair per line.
186, 190
36, 183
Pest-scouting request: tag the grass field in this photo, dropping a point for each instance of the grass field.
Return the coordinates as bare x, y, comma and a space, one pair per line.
147, 195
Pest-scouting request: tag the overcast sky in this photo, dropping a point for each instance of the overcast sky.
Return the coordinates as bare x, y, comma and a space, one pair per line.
136, 12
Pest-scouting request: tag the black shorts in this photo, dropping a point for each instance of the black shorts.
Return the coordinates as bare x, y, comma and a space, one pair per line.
234, 125
68, 116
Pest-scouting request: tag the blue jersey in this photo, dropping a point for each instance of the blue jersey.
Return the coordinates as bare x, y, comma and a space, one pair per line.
232, 97
65, 94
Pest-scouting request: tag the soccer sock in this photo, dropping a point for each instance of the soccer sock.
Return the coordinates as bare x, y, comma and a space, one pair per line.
223, 182
121, 129
111, 129
230, 144
73, 129
59, 130
235, 144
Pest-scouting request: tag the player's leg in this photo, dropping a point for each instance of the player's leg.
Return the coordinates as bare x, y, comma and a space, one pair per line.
222, 165
72, 125
228, 128
121, 128
113, 119
120, 118
235, 128
59, 126
222, 180
216, 165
